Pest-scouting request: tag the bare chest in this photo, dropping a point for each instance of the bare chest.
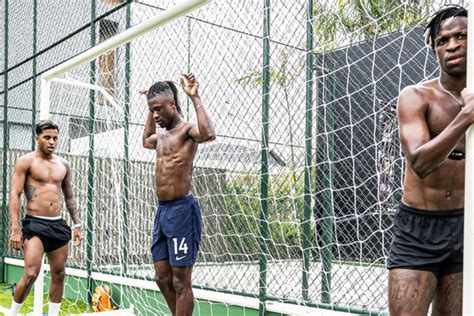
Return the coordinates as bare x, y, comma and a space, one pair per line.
171, 144
47, 171
439, 116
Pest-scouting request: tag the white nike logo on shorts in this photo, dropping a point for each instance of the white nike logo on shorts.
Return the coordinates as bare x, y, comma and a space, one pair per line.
179, 258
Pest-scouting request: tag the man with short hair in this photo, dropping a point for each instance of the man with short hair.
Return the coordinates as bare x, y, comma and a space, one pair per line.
177, 231
426, 256
42, 175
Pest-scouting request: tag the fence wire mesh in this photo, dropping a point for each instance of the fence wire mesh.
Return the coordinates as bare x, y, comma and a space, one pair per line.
364, 54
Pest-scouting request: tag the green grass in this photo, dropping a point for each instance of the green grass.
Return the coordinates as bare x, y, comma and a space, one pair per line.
67, 306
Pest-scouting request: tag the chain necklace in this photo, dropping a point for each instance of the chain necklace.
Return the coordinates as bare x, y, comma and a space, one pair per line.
449, 92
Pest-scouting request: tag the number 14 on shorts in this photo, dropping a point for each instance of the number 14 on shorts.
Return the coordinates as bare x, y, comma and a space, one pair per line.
183, 246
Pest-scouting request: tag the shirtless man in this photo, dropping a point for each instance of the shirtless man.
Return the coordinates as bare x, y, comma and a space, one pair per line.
426, 257
42, 175
177, 231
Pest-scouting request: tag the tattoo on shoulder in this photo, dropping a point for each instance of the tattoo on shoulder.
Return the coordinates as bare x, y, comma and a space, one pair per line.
30, 192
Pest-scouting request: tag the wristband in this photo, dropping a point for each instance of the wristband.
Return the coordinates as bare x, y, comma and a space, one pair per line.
77, 225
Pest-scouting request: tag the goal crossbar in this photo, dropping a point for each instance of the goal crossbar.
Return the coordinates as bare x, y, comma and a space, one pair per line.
182, 8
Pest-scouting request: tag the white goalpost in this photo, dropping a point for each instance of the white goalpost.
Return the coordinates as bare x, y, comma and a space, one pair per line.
51, 76
180, 9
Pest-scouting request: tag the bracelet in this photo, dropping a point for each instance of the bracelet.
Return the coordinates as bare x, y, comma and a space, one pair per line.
77, 225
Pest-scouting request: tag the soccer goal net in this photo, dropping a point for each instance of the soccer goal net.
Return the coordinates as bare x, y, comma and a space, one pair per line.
299, 190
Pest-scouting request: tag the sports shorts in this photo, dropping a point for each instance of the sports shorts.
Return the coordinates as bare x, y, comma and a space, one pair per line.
53, 233
427, 240
177, 231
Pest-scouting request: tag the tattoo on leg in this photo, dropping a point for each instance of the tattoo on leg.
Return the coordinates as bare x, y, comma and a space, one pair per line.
452, 294
405, 288
410, 292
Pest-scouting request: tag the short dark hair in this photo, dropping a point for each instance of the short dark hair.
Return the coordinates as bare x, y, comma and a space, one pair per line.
162, 87
44, 125
432, 29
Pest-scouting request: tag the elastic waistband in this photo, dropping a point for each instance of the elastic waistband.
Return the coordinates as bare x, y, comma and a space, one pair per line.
44, 218
442, 213
188, 198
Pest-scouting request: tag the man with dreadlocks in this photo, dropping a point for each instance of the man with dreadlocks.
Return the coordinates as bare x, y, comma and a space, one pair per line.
177, 230
426, 256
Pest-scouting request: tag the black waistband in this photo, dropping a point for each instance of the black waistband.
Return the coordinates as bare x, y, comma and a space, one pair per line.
441, 213
185, 199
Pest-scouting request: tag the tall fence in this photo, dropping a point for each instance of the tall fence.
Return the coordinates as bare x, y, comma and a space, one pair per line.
298, 191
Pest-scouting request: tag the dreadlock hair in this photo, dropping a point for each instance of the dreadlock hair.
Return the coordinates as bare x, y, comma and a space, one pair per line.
44, 125
432, 29
162, 87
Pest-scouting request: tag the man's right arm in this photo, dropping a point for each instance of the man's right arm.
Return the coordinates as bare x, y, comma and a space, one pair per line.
149, 133
425, 154
16, 188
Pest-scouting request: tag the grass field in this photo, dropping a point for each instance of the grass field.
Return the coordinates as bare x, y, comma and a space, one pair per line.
67, 307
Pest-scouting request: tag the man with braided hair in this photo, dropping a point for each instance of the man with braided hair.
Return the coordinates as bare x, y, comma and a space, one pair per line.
426, 256
177, 230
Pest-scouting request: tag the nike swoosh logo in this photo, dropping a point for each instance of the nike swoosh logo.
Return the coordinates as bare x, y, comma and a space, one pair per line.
179, 258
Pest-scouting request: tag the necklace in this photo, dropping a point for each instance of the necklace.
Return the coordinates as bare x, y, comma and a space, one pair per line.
449, 92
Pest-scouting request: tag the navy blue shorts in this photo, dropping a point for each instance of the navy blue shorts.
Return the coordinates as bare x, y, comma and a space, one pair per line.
177, 231
427, 240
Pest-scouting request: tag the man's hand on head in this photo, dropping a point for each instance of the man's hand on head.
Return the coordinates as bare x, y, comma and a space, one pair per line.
189, 84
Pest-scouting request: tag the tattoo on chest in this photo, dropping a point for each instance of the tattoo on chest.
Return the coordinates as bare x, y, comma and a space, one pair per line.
30, 193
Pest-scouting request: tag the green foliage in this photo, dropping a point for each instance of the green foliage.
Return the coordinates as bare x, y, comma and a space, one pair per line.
363, 19
254, 77
242, 198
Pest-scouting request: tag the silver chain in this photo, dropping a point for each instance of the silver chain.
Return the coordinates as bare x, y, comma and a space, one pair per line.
449, 92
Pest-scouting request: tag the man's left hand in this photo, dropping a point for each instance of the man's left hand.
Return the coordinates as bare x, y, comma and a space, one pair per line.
78, 237
189, 84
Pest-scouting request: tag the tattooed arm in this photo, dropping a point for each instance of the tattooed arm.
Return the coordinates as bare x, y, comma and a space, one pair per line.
71, 204
16, 187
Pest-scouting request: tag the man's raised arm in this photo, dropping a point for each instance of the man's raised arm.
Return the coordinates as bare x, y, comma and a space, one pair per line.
204, 131
149, 139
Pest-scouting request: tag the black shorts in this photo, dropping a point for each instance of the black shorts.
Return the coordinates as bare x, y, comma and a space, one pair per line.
53, 233
427, 240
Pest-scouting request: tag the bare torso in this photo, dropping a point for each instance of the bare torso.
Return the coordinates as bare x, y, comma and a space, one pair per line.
443, 188
175, 152
43, 185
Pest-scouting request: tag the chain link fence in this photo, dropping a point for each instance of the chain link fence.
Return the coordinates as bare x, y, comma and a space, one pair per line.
315, 228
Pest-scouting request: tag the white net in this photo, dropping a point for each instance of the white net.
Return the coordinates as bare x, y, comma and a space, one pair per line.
364, 54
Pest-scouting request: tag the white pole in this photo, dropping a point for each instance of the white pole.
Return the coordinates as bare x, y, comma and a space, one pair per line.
38, 292
168, 15
45, 90
85, 85
468, 272
126, 36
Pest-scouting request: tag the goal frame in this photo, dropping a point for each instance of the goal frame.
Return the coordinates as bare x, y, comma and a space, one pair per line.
180, 9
